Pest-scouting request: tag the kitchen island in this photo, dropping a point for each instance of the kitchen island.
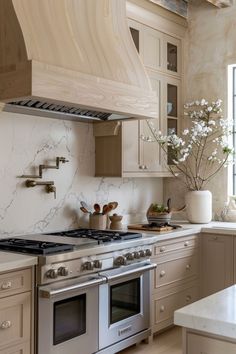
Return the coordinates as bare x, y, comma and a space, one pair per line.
209, 325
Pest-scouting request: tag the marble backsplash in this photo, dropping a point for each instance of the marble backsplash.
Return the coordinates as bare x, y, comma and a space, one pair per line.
26, 142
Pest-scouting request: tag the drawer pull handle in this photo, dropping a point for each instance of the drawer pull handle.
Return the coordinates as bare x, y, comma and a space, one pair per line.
188, 266
162, 249
188, 298
5, 324
186, 244
162, 308
6, 285
162, 273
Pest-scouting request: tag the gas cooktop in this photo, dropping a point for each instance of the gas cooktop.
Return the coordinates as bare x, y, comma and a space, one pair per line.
64, 241
33, 246
98, 235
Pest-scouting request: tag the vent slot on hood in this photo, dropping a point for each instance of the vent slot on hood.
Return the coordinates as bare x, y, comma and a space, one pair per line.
54, 110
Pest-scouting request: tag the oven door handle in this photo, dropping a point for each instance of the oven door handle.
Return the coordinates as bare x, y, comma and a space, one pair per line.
126, 271
49, 292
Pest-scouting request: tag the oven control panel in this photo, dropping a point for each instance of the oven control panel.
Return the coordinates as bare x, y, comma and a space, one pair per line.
91, 264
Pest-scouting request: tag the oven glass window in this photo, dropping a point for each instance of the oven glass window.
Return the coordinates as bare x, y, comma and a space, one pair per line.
69, 318
124, 300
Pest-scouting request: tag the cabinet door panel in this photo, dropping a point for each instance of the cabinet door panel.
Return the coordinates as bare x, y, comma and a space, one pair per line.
152, 48
217, 265
15, 319
131, 146
197, 344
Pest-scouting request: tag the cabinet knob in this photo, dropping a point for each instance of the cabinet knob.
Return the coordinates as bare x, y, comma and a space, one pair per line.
162, 273
162, 308
186, 244
188, 298
188, 266
5, 324
142, 167
215, 238
6, 285
162, 249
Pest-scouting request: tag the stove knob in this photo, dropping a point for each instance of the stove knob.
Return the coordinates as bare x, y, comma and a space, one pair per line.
129, 256
52, 273
136, 255
88, 265
119, 261
97, 264
142, 254
63, 271
148, 252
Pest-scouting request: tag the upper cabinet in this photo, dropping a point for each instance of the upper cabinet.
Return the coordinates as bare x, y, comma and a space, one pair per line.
125, 153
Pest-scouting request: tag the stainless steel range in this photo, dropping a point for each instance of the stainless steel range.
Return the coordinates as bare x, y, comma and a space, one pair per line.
91, 298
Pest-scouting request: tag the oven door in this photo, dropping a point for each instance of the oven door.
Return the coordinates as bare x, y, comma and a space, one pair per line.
124, 303
68, 316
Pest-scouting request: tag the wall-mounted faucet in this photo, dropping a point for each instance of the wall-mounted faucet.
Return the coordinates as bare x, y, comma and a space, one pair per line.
45, 167
50, 188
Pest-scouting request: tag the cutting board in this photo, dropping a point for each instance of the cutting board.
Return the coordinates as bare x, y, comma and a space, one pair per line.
145, 228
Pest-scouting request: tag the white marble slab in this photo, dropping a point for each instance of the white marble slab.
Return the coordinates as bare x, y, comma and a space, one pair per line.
215, 314
12, 261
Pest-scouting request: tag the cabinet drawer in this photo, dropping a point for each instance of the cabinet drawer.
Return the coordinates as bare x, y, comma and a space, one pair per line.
164, 308
197, 344
15, 319
23, 348
15, 282
179, 244
175, 270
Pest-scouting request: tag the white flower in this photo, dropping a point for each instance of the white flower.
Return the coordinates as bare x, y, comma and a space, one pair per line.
209, 109
212, 122
186, 132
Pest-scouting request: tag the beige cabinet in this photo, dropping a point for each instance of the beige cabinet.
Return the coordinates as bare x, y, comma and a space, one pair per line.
175, 281
16, 320
217, 263
126, 154
203, 344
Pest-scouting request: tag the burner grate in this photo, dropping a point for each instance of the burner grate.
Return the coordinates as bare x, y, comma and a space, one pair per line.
33, 246
98, 235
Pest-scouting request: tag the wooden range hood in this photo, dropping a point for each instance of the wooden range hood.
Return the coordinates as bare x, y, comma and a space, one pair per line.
71, 59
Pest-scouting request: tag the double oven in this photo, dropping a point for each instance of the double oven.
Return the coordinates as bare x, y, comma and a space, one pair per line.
101, 313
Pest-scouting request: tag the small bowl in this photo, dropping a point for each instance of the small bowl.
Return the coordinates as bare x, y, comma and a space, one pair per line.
154, 217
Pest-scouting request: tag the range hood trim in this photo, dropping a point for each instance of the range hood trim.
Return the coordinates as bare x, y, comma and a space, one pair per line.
53, 84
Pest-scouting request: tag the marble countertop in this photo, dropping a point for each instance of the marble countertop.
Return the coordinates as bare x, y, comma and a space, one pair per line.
148, 238
12, 261
215, 314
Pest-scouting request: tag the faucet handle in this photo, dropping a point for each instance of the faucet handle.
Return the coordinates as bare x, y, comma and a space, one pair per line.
52, 189
62, 159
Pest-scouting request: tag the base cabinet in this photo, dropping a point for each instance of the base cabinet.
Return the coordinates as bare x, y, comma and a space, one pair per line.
175, 282
203, 344
217, 263
23, 348
16, 319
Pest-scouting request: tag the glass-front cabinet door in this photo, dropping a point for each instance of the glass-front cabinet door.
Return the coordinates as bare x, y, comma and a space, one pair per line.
172, 109
172, 55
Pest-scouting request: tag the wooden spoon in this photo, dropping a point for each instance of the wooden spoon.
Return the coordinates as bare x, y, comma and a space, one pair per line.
104, 209
84, 210
97, 208
114, 205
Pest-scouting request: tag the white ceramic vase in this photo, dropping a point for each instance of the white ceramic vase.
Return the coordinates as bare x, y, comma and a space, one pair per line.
199, 207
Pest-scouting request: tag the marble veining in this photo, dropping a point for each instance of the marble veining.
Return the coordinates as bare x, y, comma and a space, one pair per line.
26, 142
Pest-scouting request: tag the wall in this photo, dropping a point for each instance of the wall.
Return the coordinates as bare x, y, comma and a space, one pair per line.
210, 47
26, 142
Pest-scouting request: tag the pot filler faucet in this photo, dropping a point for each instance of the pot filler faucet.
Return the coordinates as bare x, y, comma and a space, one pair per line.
50, 187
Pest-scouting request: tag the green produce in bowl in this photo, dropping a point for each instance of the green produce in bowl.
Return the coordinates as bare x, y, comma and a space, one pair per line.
159, 208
